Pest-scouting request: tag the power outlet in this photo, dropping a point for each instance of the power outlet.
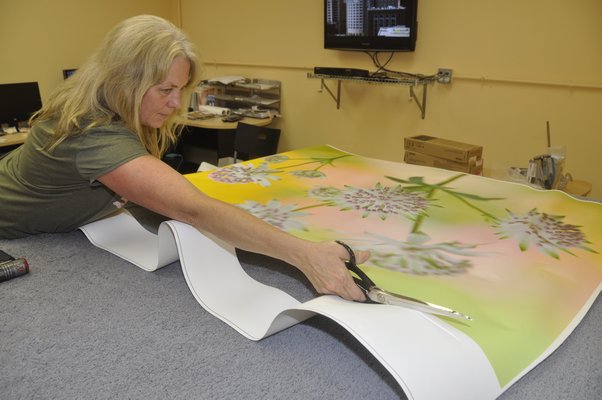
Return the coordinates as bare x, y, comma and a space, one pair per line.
444, 75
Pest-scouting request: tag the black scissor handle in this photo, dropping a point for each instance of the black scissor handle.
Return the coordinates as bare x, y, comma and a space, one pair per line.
364, 281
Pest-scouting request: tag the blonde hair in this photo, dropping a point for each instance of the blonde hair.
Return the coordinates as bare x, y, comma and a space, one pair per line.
135, 55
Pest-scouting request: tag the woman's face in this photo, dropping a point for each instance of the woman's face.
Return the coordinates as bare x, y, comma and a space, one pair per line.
160, 101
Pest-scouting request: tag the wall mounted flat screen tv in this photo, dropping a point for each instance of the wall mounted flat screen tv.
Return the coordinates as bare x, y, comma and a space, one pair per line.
370, 25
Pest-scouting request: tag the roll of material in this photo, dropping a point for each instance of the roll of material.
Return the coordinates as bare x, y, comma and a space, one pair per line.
215, 110
12, 269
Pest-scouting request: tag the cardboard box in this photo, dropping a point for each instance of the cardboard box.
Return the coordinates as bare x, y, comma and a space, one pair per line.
442, 148
474, 167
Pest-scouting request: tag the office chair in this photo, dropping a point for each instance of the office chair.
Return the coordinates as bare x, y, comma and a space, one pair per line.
252, 141
174, 160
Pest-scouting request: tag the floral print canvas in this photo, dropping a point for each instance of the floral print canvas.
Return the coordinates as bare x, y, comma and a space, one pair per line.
525, 264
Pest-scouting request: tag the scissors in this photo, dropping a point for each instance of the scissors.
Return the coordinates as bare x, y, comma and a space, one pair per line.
374, 294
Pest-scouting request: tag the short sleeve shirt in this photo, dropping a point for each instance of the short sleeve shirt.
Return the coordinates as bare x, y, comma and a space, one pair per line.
58, 190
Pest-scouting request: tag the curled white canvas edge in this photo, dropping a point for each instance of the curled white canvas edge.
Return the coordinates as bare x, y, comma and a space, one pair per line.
221, 286
428, 358
123, 236
210, 267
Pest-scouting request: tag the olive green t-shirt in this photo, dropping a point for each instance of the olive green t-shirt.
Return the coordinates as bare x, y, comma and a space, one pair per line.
58, 191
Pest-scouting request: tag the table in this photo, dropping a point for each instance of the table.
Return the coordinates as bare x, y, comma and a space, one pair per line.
217, 123
574, 187
13, 139
578, 188
210, 140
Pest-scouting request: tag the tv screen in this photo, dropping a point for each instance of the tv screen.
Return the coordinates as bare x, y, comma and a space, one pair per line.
18, 101
370, 25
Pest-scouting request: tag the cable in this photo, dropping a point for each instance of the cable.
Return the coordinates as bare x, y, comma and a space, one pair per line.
382, 70
380, 67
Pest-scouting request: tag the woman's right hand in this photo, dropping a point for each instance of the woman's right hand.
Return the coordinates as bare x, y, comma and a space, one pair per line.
324, 265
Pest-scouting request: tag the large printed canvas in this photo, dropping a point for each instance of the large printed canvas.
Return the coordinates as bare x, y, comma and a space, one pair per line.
524, 264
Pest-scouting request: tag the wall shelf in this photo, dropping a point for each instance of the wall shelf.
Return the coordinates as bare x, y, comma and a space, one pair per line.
410, 82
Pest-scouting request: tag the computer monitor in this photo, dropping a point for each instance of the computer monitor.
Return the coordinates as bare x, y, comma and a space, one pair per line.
18, 101
68, 72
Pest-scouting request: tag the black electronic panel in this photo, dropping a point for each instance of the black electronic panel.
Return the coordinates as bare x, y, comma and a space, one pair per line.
18, 101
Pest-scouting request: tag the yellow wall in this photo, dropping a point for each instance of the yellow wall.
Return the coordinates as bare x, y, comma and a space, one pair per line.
40, 38
516, 65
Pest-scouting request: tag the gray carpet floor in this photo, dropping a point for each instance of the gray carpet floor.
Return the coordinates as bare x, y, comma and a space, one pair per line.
84, 324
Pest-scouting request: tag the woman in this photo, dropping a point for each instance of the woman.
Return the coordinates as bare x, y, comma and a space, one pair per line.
99, 140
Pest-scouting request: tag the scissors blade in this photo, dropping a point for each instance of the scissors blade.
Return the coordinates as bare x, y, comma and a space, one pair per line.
381, 296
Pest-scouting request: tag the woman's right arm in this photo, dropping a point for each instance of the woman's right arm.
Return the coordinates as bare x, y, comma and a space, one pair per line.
152, 184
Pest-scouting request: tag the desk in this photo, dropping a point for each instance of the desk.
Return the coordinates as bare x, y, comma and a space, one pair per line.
573, 187
209, 139
217, 123
578, 188
13, 139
